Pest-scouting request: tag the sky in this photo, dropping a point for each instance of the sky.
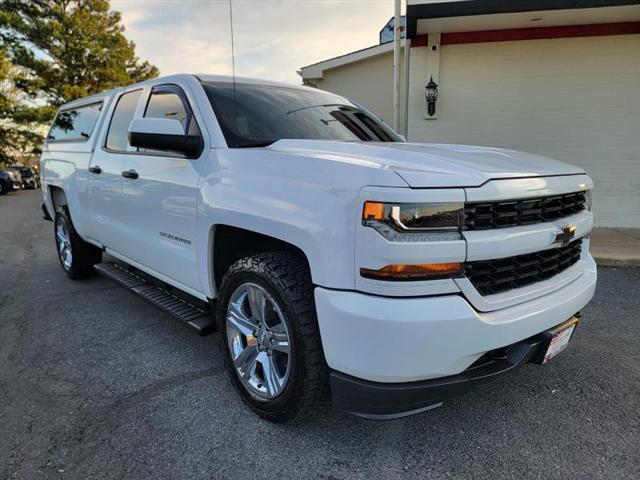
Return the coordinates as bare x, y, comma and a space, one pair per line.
272, 38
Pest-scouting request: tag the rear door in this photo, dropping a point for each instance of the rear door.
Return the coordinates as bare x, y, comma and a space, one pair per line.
160, 196
105, 175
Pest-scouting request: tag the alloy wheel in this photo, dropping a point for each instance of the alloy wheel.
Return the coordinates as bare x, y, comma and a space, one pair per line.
64, 244
259, 341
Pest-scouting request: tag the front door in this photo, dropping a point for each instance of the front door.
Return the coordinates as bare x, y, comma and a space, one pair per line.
159, 190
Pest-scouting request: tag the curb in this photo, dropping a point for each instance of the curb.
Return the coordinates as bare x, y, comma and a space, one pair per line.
616, 262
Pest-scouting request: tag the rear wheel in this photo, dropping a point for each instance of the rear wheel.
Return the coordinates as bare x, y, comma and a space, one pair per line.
270, 336
76, 256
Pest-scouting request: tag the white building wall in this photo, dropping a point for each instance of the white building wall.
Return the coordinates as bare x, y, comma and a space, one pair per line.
573, 99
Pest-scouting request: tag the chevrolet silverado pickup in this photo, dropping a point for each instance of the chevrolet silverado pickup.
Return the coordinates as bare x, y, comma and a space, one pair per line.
334, 258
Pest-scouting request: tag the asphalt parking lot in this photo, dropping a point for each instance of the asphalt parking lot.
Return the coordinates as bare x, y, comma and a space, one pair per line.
96, 383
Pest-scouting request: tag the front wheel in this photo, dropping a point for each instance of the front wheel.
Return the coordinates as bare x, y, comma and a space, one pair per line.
76, 256
270, 337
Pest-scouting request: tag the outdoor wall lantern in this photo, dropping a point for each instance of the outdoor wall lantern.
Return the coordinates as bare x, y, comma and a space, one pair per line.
431, 94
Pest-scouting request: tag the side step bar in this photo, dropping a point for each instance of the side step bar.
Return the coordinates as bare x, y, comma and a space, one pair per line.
198, 317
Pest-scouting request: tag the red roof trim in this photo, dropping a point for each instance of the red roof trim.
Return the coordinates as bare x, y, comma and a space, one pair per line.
536, 33
419, 41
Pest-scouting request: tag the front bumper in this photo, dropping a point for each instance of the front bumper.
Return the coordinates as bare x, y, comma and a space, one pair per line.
392, 340
386, 401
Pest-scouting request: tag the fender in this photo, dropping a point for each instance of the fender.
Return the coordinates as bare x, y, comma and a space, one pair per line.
293, 198
63, 174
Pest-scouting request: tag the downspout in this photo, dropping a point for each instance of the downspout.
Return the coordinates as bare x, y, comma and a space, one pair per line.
407, 70
396, 66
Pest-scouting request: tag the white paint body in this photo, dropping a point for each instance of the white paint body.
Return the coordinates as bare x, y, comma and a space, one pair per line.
310, 193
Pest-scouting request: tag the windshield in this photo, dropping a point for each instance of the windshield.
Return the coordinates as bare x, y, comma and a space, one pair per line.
264, 114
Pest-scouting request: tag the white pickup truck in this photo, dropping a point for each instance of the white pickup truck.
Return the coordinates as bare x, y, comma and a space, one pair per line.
332, 255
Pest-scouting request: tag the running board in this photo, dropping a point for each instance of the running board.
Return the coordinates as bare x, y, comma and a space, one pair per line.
199, 318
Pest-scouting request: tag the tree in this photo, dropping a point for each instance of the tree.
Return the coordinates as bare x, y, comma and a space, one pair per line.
59, 50
14, 137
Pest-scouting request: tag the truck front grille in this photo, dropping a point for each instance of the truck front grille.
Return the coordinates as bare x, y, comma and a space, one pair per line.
499, 275
486, 215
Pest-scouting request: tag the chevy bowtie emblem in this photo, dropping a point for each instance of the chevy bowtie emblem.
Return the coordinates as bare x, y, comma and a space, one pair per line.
566, 235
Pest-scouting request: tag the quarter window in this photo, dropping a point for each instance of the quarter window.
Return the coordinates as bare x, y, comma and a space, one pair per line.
75, 124
118, 134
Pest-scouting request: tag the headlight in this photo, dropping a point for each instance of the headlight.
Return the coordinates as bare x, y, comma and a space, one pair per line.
414, 222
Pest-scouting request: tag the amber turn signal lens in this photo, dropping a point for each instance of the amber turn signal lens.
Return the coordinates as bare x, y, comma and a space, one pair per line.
422, 271
373, 211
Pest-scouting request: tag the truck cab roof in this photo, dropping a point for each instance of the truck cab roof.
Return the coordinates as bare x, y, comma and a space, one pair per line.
102, 96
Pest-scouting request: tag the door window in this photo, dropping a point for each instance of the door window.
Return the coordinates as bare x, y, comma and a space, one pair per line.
163, 104
168, 101
118, 134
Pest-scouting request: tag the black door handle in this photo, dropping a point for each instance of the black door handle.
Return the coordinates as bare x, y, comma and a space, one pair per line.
95, 169
132, 174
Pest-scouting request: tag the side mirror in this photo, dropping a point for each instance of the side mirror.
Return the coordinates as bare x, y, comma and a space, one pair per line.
164, 134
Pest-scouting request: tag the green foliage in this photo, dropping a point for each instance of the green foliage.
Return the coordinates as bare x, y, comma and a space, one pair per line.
14, 136
54, 51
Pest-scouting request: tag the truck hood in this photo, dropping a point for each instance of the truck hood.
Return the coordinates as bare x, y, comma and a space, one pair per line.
424, 165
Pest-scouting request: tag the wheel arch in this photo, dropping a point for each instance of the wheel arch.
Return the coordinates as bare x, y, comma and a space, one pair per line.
228, 243
58, 198
54, 197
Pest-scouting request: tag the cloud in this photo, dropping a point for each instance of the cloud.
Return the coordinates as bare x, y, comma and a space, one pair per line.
272, 38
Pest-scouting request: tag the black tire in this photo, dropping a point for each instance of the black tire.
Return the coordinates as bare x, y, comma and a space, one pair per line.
285, 277
4, 188
83, 255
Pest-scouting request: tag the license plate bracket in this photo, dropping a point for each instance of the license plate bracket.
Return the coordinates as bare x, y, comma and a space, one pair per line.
556, 340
